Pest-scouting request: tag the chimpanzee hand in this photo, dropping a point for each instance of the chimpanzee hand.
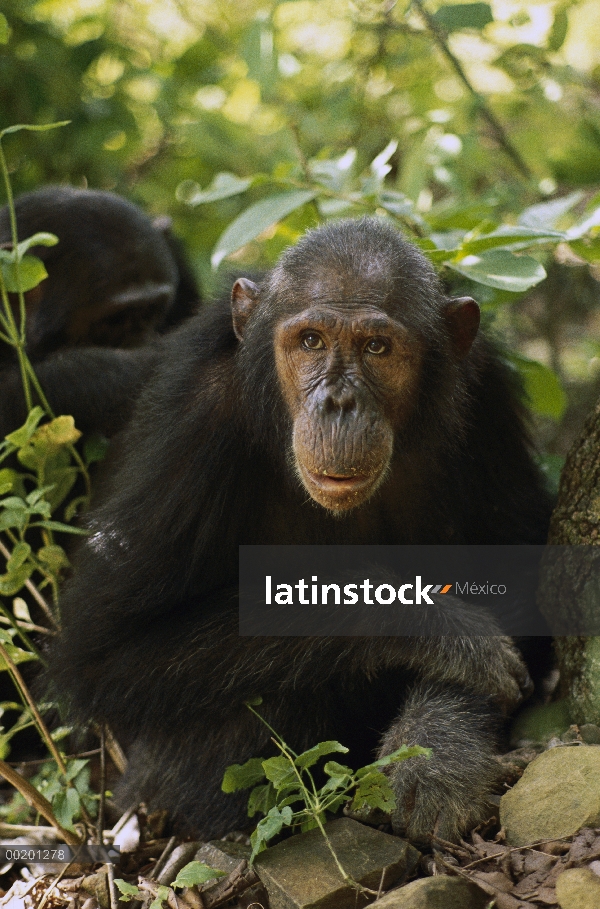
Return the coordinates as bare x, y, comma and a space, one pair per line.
490, 665
447, 794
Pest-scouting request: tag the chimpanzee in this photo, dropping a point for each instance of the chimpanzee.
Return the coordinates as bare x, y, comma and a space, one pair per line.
344, 400
115, 281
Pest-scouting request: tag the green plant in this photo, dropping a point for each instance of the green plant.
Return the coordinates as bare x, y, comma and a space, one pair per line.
39, 468
191, 875
290, 797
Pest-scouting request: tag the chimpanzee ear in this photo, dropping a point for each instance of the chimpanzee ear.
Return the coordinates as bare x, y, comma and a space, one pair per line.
462, 317
244, 297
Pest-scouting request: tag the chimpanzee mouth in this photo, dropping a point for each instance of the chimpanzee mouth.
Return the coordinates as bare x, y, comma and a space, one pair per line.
338, 491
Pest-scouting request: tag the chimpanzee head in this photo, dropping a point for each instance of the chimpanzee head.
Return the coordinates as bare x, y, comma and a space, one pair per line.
359, 330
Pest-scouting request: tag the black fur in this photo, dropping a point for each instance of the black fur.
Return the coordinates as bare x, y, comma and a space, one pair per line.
150, 640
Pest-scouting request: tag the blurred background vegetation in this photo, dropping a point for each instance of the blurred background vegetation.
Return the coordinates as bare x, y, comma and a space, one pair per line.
494, 106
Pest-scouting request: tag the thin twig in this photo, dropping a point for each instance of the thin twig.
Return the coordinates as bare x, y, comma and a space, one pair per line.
69, 757
56, 881
162, 861
112, 891
102, 804
487, 113
489, 858
43, 729
37, 801
117, 754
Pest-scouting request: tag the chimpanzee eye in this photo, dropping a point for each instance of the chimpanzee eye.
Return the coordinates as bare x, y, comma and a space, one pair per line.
377, 346
312, 341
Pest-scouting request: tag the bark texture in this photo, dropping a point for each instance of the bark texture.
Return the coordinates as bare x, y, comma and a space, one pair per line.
566, 591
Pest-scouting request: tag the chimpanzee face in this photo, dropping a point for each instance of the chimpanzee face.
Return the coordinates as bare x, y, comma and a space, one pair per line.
349, 375
353, 313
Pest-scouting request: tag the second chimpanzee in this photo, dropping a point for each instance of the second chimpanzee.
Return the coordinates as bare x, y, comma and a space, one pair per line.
344, 400
115, 281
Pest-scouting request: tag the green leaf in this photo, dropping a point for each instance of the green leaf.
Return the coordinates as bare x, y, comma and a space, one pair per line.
195, 873
20, 436
75, 767
223, 186
162, 895
404, 753
18, 556
95, 447
588, 249
279, 771
4, 31
17, 655
14, 580
559, 30
28, 273
66, 805
33, 128
375, 791
310, 757
54, 557
502, 269
242, 776
43, 238
269, 827
262, 799
21, 610
509, 236
58, 525
542, 387
254, 702
454, 17
256, 219
8, 478
13, 517
127, 891
546, 214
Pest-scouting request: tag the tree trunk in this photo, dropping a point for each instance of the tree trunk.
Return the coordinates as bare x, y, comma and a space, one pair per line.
570, 588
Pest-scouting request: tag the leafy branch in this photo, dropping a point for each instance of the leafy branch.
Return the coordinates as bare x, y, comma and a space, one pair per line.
290, 797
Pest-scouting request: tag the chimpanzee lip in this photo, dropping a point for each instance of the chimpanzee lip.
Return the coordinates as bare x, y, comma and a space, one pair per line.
338, 483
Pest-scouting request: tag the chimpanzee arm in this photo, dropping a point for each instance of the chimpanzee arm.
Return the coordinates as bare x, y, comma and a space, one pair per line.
98, 386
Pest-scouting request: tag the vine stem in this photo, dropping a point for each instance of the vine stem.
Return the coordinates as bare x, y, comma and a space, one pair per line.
37, 801
43, 729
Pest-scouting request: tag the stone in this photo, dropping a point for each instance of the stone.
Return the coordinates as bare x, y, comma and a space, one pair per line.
558, 794
439, 892
300, 872
590, 733
578, 888
97, 887
222, 854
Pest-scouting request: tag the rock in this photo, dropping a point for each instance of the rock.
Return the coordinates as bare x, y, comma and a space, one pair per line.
300, 872
439, 892
222, 854
558, 794
97, 886
578, 888
540, 723
590, 733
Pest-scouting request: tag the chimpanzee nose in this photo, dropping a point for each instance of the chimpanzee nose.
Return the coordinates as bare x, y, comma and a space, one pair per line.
338, 402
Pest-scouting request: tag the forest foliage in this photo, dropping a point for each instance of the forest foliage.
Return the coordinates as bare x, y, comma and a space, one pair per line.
474, 127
